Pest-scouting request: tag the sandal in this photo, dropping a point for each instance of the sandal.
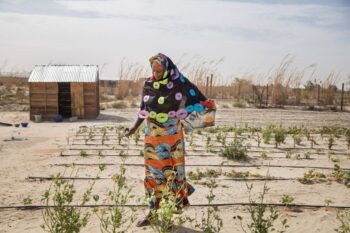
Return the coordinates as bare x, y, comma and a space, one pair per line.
143, 222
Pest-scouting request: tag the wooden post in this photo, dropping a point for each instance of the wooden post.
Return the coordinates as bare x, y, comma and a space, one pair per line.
267, 94
211, 84
45, 100
318, 94
206, 88
342, 97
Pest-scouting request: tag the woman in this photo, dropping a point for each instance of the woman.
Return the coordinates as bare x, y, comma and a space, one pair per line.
167, 98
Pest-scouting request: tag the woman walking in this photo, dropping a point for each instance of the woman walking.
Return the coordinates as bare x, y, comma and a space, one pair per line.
167, 98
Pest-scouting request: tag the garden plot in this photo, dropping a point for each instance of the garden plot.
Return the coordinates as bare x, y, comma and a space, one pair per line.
309, 166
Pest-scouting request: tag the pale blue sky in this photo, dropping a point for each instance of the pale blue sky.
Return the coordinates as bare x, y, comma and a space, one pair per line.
252, 36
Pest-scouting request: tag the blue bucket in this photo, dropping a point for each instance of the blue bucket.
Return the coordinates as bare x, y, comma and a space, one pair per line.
58, 118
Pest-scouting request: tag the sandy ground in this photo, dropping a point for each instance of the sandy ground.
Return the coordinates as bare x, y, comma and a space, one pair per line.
37, 151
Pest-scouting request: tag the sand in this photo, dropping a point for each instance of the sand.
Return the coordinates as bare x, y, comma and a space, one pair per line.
36, 151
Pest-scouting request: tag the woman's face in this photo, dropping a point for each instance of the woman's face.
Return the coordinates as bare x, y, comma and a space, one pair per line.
157, 70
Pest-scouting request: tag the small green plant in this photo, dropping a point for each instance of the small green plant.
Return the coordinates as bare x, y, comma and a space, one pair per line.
340, 175
279, 136
122, 153
335, 160
267, 134
59, 214
264, 155
137, 136
330, 142
344, 217
262, 216
236, 150
347, 138
289, 155
327, 202
27, 201
198, 175
235, 174
211, 221
286, 199
191, 136
307, 155
311, 176
120, 136
310, 138
297, 138
163, 219
219, 137
117, 218
83, 153
257, 137
104, 139
208, 140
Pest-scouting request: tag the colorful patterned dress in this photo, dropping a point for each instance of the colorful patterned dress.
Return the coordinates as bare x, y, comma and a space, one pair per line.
164, 104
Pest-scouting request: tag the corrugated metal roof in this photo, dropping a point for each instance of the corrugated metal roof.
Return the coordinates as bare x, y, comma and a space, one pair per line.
64, 73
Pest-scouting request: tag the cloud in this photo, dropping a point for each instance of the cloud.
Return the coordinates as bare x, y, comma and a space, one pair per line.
251, 35
43, 7
343, 3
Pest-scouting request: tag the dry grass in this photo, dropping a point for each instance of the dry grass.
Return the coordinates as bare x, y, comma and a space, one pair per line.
282, 86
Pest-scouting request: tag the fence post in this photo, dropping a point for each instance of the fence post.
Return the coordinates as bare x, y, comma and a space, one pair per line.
206, 87
342, 97
318, 94
211, 85
267, 94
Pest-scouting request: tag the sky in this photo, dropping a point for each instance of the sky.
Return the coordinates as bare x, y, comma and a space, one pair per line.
251, 36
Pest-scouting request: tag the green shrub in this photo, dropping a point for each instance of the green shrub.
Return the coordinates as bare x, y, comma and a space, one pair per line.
344, 217
236, 150
262, 216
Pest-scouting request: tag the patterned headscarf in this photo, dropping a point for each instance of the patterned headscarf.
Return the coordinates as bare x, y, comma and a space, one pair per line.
167, 64
172, 96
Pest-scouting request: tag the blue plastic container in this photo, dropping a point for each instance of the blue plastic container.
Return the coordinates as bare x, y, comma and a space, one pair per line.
58, 118
24, 124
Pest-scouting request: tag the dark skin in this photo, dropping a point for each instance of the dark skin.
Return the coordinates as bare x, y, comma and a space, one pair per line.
132, 130
157, 71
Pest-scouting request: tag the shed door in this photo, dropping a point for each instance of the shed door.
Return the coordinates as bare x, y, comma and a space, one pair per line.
64, 99
77, 90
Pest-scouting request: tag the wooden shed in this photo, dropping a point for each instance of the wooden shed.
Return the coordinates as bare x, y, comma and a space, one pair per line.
68, 90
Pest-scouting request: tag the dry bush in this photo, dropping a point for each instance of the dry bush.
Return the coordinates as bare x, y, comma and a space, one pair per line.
329, 89
119, 104
281, 82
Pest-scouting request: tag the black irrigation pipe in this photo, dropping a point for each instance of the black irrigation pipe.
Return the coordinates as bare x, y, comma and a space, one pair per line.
282, 149
187, 155
40, 178
128, 155
290, 206
98, 137
199, 150
199, 165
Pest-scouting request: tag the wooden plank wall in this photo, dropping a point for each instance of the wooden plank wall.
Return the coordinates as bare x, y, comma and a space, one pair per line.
77, 95
43, 100
91, 103
98, 94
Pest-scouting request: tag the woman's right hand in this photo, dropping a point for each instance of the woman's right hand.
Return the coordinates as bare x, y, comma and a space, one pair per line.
129, 132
